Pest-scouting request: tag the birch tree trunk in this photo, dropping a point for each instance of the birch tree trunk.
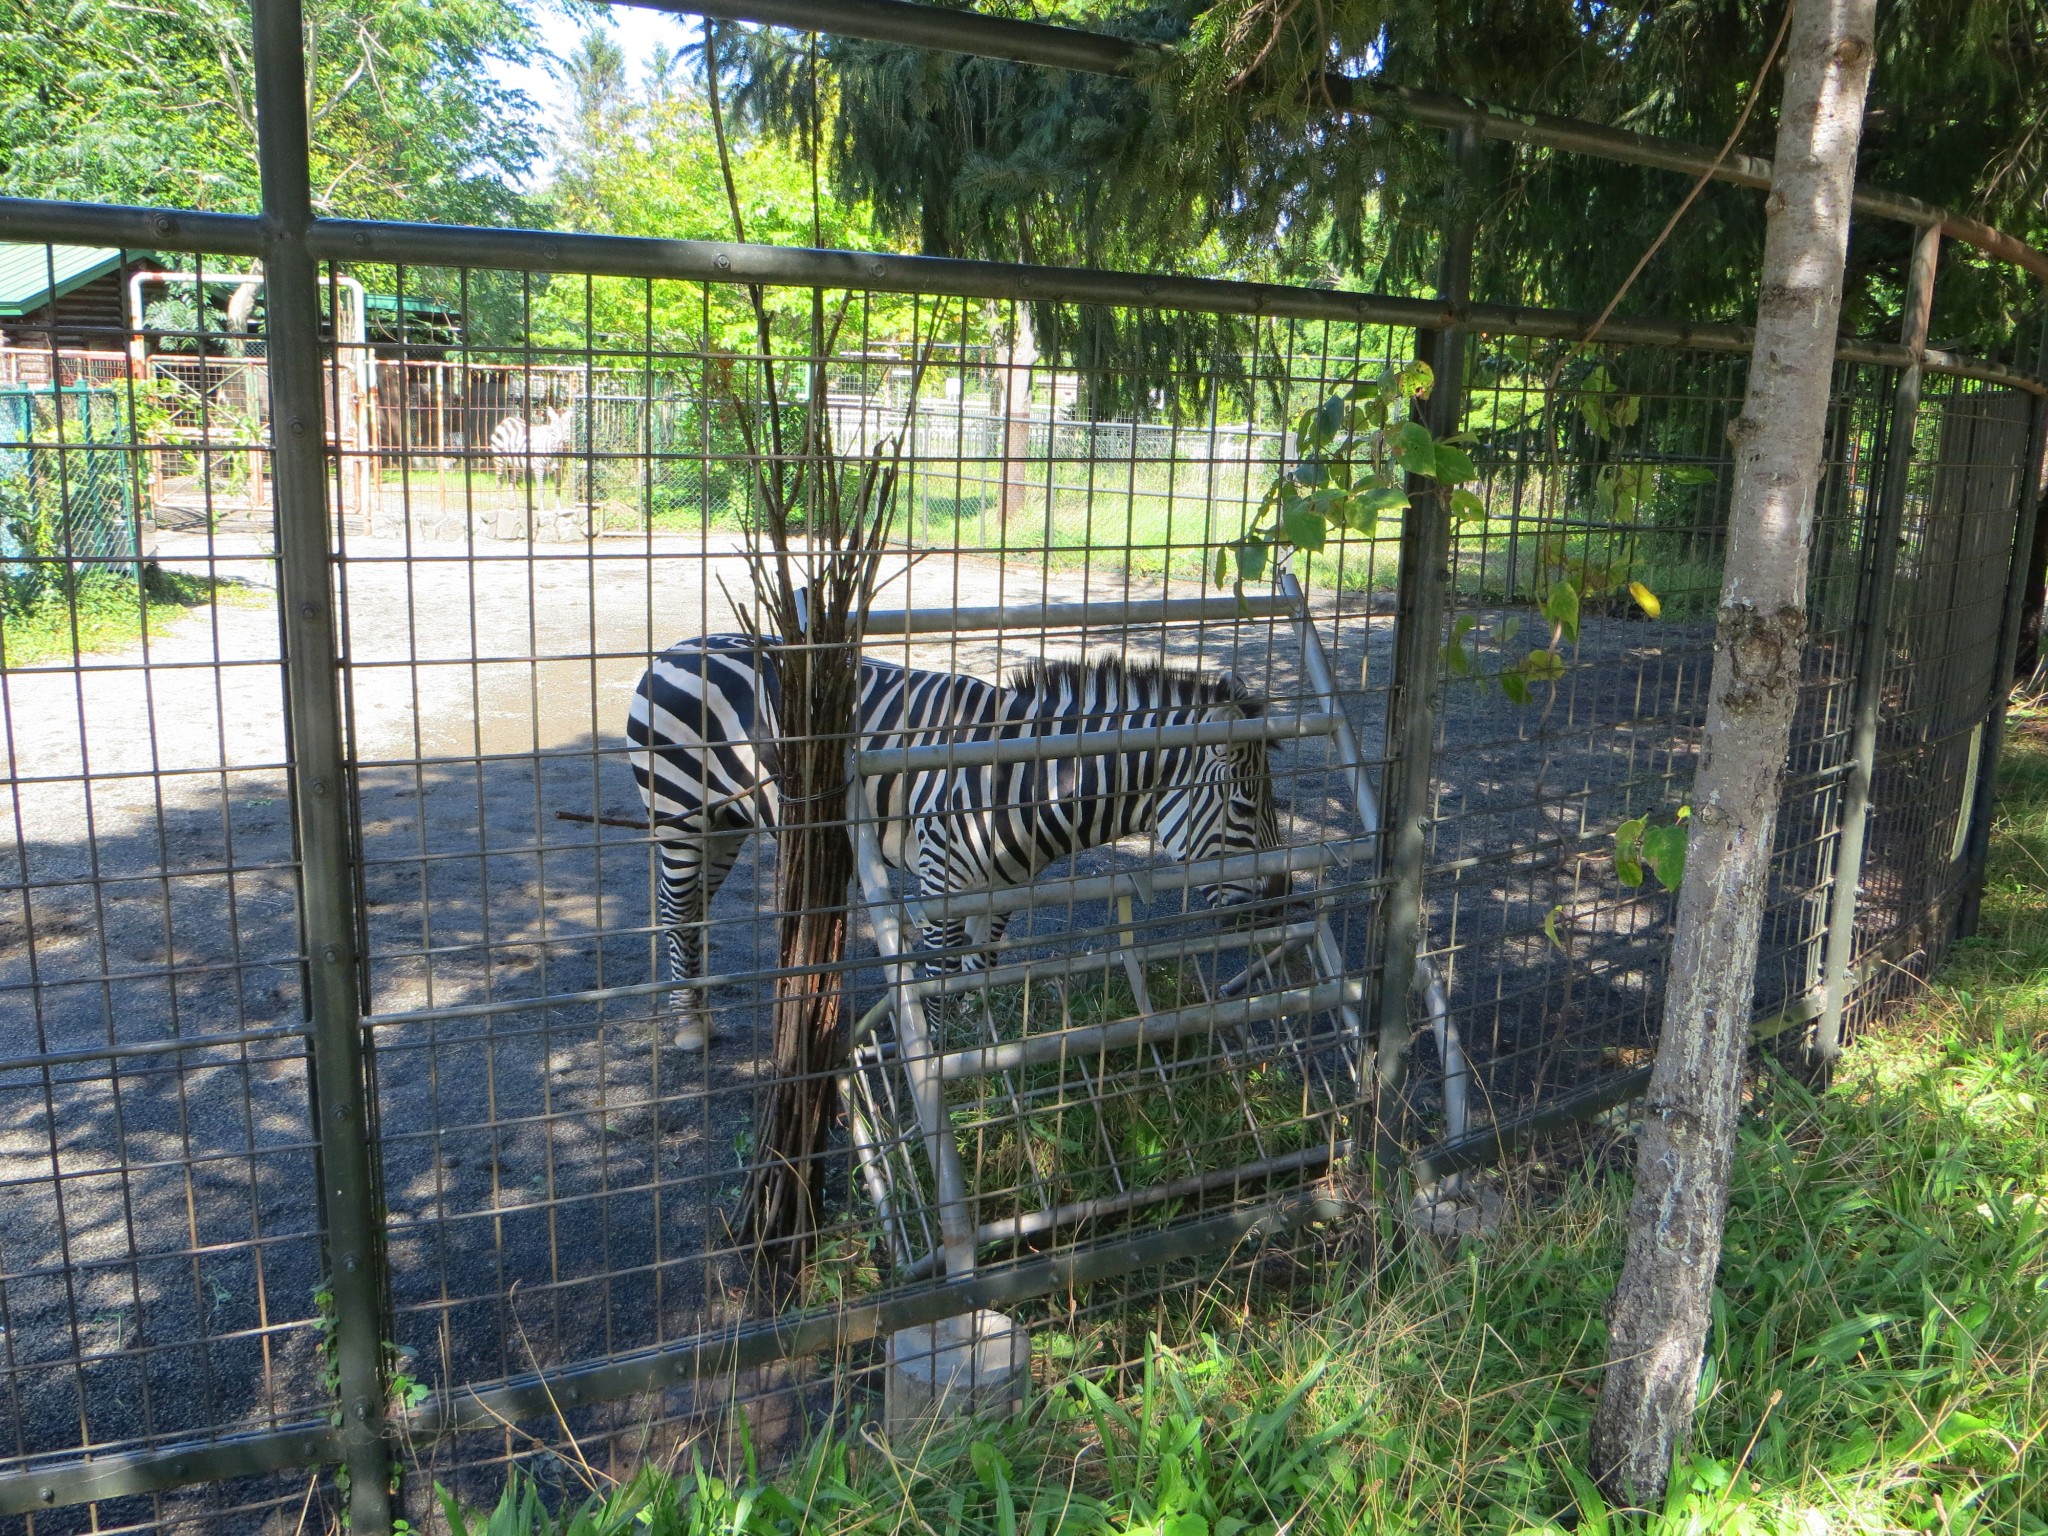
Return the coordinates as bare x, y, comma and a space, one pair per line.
1659, 1315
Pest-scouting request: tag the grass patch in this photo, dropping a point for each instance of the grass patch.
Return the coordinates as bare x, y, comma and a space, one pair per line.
105, 612
1879, 1361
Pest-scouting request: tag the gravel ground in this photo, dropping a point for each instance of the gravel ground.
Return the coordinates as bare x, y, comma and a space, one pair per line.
556, 1178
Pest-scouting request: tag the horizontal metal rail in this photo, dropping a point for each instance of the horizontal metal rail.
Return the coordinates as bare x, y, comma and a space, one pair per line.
1043, 968
538, 1396
1049, 748
1491, 1143
1051, 967
963, 31
1145, 884
173, 1466
1034, 617
1147, 1029
1032, 1223
128, 1050
526, 250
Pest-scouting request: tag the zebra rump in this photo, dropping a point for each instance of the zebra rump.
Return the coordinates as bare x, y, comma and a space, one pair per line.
703, 729
518, 448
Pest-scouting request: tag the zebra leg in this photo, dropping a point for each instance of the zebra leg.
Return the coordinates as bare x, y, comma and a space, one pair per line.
692, 870
987, 933
948, 936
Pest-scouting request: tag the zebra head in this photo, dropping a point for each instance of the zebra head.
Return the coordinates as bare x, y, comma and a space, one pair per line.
1221, 804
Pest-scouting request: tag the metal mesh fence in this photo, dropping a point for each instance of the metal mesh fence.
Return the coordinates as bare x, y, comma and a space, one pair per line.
393, 936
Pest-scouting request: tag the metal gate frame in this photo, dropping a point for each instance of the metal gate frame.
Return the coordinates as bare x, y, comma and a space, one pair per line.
293, 242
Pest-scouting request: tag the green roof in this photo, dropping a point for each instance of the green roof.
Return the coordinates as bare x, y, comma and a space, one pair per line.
26, 272
387, 303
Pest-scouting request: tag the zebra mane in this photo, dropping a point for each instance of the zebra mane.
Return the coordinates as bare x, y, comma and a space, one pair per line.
1145, 684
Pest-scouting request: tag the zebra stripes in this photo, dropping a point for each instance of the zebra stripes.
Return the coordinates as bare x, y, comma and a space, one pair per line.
541, 448
703, 728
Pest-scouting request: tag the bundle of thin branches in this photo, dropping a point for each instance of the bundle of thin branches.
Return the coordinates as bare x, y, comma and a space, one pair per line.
814, 551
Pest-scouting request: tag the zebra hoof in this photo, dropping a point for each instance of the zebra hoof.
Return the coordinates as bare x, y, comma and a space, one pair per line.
697, 1034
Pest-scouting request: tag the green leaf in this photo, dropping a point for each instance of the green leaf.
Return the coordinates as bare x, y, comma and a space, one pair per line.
989, 1464
1251, 560
1306, 529
1370, 413
1222, 566
1561, 607
1415, 448
1457, 660
1628, 843
1330, 417
1308, 472
1362, 508
1664, 852
1508, 630
1463, 625
1454, 465
1414, 378
1550, 927
1515, 686
1543, 666
1466, 507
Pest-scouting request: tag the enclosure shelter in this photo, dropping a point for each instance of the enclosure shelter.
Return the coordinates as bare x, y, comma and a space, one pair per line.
349, 1116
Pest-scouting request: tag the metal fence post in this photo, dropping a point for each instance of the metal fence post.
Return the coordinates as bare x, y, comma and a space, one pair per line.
1418, 642
1873, 610
348, 1193
1978, 850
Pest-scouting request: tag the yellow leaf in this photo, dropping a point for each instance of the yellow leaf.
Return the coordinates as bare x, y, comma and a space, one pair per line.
1645, 599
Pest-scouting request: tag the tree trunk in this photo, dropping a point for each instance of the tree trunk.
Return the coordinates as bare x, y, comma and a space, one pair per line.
1023, 356
1659, 1315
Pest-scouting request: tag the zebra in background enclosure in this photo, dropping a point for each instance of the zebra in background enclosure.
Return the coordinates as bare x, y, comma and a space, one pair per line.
539, 450
704, 721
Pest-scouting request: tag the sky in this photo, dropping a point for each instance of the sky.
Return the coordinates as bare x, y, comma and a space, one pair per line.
639, 32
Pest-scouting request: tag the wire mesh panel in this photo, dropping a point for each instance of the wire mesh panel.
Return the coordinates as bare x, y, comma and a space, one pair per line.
160, 1252
1941, 660
566, 1145
1576, 671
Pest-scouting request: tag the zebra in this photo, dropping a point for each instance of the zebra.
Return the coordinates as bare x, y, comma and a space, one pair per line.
703, 723
519, 449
